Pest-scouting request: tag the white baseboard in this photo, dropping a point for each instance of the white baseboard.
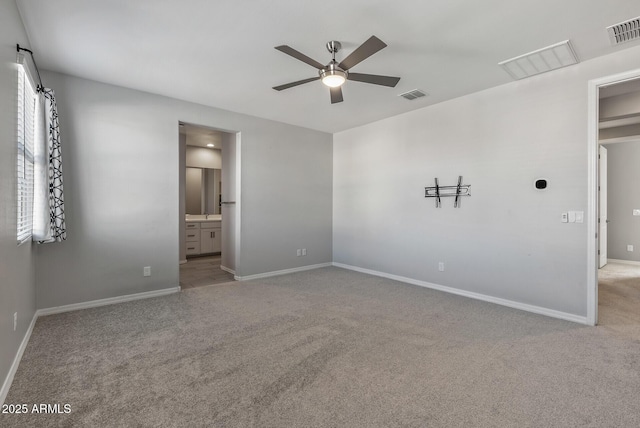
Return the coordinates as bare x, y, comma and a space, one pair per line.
504, 302
16, 361
226, 269
281, 272
104, 302
624, 262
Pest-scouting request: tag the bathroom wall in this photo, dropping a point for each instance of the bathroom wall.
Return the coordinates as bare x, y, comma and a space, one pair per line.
201, 157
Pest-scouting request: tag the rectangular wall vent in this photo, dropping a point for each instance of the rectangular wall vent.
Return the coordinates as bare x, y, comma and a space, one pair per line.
625, 31
540, 61
412, 95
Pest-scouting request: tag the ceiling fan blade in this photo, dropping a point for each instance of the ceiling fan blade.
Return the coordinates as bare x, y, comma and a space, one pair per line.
336, 95
300, 56
292, 84
364, 51
374, 78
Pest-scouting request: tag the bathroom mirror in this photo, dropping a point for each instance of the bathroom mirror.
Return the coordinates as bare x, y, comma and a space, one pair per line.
203, 189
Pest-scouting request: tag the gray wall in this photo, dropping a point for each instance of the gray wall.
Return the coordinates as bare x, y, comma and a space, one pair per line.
623, 161
121, 160
17, 274
506, 241
201, 157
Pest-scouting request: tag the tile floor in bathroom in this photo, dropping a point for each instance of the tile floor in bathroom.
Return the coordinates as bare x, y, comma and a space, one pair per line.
201, 271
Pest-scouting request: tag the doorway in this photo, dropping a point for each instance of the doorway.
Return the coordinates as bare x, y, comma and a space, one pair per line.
208, 205
610, 121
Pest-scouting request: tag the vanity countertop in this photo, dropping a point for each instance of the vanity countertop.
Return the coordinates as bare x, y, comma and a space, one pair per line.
202, 218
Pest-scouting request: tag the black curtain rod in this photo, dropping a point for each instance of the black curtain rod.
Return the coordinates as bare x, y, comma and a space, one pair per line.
40, 86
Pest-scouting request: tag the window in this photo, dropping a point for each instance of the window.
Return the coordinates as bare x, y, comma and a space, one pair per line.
26, 131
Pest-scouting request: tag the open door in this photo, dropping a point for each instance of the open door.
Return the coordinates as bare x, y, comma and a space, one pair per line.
602, 206
229, 203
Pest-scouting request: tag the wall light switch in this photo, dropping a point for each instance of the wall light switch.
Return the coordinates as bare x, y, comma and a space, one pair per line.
572, 216
564, 218
441, 266
298, 252
630, 248
636, 212
146, 271
304, 251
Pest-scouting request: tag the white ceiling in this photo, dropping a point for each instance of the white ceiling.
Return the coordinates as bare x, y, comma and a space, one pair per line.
221, 53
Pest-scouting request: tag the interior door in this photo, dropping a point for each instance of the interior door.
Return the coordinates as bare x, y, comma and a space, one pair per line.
228, 204
602, 207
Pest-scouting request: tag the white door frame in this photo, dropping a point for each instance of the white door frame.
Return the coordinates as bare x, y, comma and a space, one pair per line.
592, 183
237, 196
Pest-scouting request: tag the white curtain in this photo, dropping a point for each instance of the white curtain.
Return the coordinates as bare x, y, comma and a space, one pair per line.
48, 202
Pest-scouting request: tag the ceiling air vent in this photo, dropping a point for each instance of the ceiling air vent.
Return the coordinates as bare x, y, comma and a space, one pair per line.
540, 61
625, 31
412, 95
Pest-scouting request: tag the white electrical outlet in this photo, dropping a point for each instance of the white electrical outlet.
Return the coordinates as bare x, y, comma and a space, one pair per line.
441, 266
304, 251
146, 271
630, 248
15, 321
298, 252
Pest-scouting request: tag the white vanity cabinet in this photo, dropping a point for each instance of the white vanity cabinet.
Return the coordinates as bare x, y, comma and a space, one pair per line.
192, 239
210, 241
203, 237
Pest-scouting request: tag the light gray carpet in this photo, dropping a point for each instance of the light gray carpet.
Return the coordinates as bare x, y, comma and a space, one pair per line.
325, 348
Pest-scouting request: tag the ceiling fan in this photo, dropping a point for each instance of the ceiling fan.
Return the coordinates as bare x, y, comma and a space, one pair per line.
335, 74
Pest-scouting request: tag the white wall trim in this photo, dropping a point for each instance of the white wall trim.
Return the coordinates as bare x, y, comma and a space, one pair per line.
108, 301
504, 302
281, 272
16, 361
226, 269
624, 262
592, 182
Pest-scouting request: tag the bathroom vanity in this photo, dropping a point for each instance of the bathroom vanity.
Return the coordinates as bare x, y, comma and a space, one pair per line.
203, 234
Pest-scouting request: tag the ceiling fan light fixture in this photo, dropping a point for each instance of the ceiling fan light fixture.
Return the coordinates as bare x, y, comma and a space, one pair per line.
333, 76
